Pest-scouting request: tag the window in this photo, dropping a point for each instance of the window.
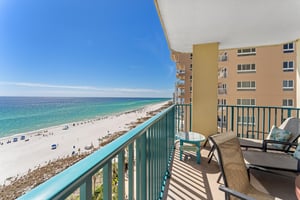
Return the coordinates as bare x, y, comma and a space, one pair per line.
288, 48
246, 85
246, 52
288, 66
191, 89
191, 78
246, 68
222, 101
287, 102
246, 120
288, 84
246, 102
191, 67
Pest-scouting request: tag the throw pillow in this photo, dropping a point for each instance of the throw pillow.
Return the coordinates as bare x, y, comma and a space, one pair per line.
278, 134
297, 152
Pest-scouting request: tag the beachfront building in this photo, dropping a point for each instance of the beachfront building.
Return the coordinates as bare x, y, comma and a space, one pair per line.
183, 85
254, 76
262, 76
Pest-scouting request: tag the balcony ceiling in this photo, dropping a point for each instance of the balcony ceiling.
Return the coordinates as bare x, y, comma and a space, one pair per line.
232, 23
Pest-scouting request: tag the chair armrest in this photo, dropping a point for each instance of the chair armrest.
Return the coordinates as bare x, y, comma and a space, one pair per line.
234, 193
266, 142
250, 131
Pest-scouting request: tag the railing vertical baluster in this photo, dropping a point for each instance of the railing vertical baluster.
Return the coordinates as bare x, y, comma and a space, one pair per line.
263, 123
150, 160
190, 121
253, 121
243, 113
144, 179
107, 181
86, 189
289, 113
121, 179
248, 121
269, 119
281, 115
130, 172
226, 119
258, 120
138, 169
275, 117
232, 119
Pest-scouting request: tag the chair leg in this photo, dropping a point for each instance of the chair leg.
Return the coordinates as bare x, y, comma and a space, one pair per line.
211, 154
219, 178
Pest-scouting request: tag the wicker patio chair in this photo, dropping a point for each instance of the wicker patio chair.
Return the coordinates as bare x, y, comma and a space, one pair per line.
291, 125
234, 171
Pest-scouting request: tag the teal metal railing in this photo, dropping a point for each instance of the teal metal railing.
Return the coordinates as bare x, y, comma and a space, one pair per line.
183, 117
147, 149
248, 121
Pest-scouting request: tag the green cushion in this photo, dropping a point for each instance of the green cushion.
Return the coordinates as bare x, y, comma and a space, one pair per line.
278, 134
297, 152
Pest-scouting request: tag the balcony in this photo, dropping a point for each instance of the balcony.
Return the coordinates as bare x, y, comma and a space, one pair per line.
143, 163
180, 74
222, 91
180, 84
223, 57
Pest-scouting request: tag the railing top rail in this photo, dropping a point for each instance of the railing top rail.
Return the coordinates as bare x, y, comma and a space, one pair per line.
72, 177
249, 106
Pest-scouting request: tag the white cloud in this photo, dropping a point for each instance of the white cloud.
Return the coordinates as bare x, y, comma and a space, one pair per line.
42, 89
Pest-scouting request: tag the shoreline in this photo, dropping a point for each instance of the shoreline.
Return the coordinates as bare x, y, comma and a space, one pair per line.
96, 118
35, 149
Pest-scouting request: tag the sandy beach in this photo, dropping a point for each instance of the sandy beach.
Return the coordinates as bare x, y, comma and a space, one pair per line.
35, 149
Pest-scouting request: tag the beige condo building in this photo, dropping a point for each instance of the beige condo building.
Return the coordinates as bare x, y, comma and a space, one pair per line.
261, 76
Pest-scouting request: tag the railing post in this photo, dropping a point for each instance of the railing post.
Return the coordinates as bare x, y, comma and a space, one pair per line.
232, 119
107, 181
121, 180
190, 117
86, 189
130, 172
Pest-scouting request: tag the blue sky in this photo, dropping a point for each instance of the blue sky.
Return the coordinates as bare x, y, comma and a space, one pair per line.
83, 48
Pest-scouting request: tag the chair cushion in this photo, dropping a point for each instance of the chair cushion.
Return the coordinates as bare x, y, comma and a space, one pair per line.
278, 134
296, 154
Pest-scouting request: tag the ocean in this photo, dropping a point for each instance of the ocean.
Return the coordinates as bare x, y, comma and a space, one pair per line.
25, 114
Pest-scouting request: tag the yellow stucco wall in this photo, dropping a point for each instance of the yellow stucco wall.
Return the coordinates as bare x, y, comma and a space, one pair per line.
205, 80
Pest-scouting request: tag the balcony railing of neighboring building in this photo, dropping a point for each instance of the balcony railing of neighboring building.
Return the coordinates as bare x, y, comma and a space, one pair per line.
180, 74
223, 57
143, 153
242, 119
222, 91
180, 84
222, 74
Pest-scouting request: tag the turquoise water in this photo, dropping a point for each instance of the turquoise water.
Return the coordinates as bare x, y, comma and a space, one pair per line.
24, 114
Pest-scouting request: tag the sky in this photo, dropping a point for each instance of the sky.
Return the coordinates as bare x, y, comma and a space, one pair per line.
81, 48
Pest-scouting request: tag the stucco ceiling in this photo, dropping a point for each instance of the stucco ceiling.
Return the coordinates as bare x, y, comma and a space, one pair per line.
232, 23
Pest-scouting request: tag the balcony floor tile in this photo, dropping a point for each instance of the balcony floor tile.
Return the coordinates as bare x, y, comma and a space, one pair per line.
190, 180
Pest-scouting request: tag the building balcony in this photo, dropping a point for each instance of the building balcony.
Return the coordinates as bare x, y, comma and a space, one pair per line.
180, 84
180, 75
180, 66
223, 57
144, 163
222, 91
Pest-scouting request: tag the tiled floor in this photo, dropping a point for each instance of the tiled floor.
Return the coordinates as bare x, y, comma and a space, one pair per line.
190, 180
